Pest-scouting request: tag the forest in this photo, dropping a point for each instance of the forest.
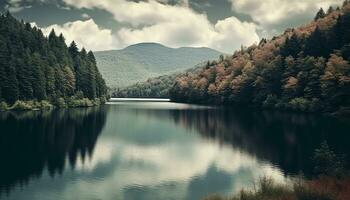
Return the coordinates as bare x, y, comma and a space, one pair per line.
157, 87
39, 72
304, 69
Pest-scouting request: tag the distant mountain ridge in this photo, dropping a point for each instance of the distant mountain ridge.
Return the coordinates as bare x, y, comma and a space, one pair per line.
142, 61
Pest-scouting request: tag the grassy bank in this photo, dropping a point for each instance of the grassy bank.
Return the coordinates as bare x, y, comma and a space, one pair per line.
331, 181
71, 102
322, 188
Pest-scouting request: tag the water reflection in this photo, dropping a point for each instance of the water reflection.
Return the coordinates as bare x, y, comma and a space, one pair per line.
155, 151
31, 142
285, 139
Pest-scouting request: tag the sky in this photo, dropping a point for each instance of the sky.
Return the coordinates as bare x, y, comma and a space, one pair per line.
224, 25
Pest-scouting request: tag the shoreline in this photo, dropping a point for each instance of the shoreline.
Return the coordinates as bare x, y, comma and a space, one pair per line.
34, 105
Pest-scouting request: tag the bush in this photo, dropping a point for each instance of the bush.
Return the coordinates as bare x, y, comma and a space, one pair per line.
300, 104
97, 102
327, 163
3, 106
61, 103
85, 102
103, 100
21, 105
271, 101
45, 105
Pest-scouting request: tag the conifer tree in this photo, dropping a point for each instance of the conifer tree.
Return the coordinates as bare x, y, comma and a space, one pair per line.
320, 14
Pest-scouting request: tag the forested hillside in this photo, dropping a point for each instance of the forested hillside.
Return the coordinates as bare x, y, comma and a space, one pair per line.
44, 69
157, 87
139, 62
304, 69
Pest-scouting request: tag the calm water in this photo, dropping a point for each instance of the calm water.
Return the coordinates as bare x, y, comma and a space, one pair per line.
155, 150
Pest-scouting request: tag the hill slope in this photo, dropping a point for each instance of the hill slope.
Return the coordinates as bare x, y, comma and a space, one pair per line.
139, 62
156, 87
304, 69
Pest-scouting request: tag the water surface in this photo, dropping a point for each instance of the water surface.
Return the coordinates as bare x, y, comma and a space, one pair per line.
155, 150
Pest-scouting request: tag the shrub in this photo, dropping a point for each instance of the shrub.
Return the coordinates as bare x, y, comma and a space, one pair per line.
326, 162
97, 102
85, 102
61, 103
3, 106
21, 105
271, 101
103, 100
300, 104
45, 105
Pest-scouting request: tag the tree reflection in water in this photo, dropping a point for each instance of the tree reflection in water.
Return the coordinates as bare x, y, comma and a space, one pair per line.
34, 141
285, 139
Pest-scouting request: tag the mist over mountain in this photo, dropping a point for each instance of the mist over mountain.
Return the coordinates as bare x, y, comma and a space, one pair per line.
139, 62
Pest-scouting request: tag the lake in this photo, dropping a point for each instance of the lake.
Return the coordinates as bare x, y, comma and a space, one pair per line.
155, 150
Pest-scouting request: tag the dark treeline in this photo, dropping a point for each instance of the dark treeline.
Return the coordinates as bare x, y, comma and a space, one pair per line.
304, 69
154, 87
35, 67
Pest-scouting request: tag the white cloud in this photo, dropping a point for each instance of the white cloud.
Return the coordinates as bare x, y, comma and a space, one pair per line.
15, 6
225, 35
85, 16
172, 25
269, 12
86, 34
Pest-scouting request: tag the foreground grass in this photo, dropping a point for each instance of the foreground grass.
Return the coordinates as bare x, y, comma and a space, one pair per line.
323, 188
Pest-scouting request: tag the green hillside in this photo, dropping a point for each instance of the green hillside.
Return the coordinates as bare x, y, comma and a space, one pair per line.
142, 61
156, 87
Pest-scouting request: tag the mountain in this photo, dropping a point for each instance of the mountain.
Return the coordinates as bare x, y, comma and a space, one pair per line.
141, 61
35, 67
304, 69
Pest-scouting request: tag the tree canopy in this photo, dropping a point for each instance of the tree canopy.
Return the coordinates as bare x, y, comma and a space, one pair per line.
305, 69
35, 67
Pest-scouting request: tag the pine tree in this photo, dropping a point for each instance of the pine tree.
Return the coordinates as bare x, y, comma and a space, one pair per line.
35, 67
52, 38
330, 10
69, 81
10, 88
24, 75
291, 46
39, 86
314, 47
50, 81
92, 75
3, 63
320, 14
73, 49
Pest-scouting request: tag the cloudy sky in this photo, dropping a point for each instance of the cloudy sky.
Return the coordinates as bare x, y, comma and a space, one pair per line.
224, 25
